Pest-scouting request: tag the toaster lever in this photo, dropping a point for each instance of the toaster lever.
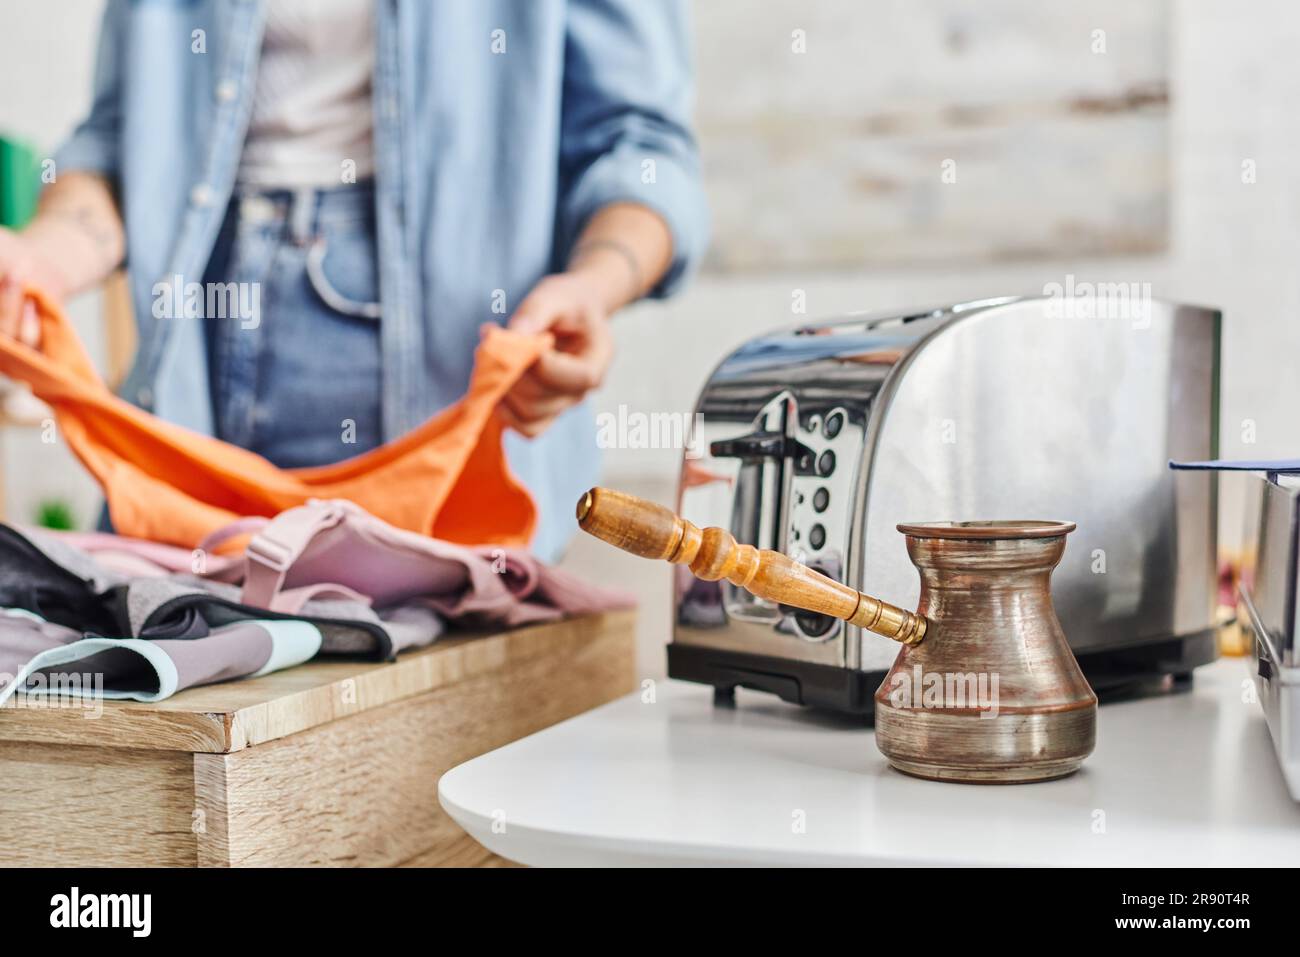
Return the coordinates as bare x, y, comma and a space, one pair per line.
761, 446
756, 445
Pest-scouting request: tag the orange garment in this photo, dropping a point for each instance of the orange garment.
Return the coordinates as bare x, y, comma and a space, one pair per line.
448, 478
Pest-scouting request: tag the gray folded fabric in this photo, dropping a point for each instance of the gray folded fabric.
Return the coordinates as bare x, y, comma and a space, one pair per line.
185, 606
41, 658
70, 626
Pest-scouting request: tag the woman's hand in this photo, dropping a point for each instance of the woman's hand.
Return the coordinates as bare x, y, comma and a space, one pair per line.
623, 251
72, 244
572, 307
22, 264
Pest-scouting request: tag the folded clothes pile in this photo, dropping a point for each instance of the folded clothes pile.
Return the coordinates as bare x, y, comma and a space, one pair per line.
148, 619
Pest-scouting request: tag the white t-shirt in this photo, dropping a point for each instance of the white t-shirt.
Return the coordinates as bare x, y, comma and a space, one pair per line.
312, 122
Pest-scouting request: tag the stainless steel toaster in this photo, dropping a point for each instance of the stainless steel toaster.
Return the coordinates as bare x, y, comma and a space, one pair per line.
817, 441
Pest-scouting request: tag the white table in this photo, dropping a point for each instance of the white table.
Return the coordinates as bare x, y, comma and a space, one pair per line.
1185, 779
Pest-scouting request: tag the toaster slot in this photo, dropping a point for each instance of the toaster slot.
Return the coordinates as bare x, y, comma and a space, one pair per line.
760, 504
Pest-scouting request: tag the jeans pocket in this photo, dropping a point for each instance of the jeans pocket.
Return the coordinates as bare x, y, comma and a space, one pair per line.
342, 270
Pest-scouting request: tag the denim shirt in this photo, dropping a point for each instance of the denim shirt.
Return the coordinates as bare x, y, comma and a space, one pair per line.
500, 127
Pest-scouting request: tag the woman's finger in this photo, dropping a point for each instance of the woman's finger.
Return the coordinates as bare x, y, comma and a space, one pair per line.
567, 372
533, 315
29, 327
530, 410
530, 427
11, 303
507, 415
531, 387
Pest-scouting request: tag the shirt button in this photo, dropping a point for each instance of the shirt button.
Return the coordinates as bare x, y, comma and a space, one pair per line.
226, 91
201, 195
144, 398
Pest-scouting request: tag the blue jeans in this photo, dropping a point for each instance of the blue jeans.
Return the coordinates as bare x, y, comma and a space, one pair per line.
298, 378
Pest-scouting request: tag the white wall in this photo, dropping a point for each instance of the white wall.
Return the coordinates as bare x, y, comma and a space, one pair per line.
899, 132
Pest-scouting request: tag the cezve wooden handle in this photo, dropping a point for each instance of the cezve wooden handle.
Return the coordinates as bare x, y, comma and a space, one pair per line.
652, 531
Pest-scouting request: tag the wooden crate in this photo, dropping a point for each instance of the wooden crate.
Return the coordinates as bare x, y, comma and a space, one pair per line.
332, 763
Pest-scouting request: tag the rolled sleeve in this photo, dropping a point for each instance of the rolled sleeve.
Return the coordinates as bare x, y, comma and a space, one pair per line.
94, 145
626, 134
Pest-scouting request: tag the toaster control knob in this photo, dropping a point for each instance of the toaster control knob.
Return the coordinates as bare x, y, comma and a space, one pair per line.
812, 624
817, 537
826, 463
834, 423
821, 499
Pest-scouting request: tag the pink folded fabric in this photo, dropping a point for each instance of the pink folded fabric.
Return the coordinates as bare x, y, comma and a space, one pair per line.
337, 544
335, 549
138, 558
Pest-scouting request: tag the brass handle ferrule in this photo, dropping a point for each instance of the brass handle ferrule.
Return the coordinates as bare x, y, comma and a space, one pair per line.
889, 620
